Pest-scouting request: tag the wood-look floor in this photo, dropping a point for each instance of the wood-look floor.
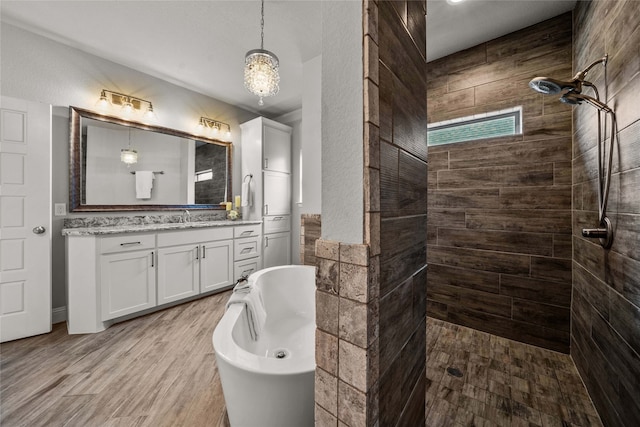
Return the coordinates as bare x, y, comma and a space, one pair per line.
503, 382
156, 370
160, 370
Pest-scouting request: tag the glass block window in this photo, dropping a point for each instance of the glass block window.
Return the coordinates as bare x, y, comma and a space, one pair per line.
479, 126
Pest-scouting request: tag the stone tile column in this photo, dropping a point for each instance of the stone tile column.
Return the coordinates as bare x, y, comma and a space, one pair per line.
347, 372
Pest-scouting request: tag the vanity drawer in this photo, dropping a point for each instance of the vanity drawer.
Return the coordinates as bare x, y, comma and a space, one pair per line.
127, 242
246, 230
277, 224
186, 237
245, 268
246, 248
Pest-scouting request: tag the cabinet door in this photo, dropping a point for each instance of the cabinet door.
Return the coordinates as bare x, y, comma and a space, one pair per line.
276, 150
216, 265
127, 283
277, 193
178, 272
276, 250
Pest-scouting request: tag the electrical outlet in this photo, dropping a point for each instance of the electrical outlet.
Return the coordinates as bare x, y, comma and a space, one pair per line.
60, 209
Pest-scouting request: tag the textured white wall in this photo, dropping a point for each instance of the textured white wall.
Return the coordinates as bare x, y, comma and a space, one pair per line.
39, 69
342, 122
312, 137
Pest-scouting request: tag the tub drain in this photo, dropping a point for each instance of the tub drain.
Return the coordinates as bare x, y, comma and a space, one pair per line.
280, 354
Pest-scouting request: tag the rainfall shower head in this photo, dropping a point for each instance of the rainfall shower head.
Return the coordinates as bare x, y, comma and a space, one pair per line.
573, 98
548, 86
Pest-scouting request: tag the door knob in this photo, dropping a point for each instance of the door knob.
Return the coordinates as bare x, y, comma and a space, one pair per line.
39, 230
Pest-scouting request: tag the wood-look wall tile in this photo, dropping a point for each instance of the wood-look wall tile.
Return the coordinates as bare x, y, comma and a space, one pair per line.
536, 221
629, 148
464, 278
548, 268
503, 176
553, 150
389, 179
403, 250
624, 318
623, 274
395, 321
549, 316
438, 160
554, 197
419, 292
547, 35
412, 193
621, 357
551, 292
409, 126
492, 240
562, 174
452, 218
541, 127
497, 262
562, 246
477, 198
594, 291
416, 24
385, 92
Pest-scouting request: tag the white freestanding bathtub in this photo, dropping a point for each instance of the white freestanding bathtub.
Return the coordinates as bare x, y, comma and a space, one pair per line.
269, 381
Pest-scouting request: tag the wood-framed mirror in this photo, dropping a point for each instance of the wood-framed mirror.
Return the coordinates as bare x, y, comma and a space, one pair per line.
183, 170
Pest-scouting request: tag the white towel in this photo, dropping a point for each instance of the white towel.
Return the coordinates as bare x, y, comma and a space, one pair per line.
247, 200
253, 309
144, 184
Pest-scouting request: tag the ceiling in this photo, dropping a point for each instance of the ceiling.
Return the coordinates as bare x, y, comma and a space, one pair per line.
200, 45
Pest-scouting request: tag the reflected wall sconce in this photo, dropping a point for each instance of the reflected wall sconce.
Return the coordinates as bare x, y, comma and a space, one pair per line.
129, 105
214, 128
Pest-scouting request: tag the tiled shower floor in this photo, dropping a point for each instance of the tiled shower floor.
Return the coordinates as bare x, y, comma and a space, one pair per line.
502, 382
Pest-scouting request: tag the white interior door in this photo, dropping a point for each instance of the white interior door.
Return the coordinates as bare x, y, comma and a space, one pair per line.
25, 218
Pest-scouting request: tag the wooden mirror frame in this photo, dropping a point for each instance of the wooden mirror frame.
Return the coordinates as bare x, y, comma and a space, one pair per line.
75, 163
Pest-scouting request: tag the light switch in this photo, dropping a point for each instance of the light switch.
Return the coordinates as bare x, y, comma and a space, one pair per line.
60, 209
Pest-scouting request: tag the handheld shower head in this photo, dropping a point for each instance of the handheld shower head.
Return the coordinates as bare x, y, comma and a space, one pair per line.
577, 99
549, 86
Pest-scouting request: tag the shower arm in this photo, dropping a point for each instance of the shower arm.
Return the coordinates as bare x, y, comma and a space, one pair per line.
582, 74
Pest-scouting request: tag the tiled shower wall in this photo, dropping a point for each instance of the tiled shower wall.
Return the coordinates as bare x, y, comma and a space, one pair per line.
605, 312
499, 226
371, 298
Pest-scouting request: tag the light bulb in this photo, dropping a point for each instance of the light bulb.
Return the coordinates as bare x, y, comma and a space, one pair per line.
103, 102
127, 107
149, 114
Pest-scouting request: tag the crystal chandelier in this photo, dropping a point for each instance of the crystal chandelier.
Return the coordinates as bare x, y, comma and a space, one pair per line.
261, 69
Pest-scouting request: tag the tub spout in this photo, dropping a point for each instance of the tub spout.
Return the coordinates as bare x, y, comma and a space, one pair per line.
242, 284
594, 233
604, 233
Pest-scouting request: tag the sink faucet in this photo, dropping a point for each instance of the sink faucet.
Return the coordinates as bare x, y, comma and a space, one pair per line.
186, 216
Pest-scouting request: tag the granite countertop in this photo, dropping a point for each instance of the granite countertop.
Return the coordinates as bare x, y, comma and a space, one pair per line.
138, 228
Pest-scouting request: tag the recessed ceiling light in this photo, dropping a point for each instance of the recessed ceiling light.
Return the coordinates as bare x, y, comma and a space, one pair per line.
454, 1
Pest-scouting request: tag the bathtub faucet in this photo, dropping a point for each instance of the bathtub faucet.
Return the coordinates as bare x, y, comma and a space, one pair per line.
242, 284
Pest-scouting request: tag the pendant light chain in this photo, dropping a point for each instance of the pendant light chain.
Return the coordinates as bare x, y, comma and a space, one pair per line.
262, 26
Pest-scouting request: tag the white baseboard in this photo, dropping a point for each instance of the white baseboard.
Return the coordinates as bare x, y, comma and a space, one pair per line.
59, 315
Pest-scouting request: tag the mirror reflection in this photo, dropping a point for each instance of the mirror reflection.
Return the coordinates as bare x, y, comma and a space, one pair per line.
122, 165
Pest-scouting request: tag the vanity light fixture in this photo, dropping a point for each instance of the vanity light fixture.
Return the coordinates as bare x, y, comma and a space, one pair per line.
128, 104
214, 128
261, 76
